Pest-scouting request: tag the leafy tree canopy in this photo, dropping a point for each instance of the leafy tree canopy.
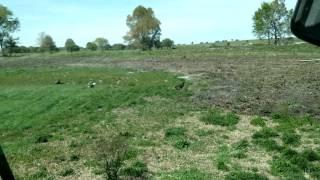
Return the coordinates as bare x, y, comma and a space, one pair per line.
144, 28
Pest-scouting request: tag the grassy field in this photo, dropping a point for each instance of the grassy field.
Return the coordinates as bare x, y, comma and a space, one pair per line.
244, 112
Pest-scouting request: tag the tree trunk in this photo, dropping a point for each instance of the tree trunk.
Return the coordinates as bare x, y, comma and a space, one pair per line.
2, 50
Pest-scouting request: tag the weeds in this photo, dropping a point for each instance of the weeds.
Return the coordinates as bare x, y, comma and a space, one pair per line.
223, 158
217, 118
174, 132
290, 138
258, 122
182, 144
137, 169
113, 154
243, 175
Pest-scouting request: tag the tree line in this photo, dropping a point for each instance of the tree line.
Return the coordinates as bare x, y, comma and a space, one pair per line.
271, 21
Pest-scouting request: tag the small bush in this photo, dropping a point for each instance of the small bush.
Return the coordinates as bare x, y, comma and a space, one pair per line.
177, 131
138, 169
291, 138
217, 118
242, 175
258, 122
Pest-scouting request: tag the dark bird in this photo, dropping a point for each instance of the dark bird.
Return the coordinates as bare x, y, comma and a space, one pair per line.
59, 82
180, 86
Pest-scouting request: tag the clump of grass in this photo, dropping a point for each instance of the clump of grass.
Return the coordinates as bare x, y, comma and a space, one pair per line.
258, 122
42, 173
67, 172
311, 155
268, 144
265, 133
113, 155
240, 149
182, 144
223, 158
295, 158
263, 138
44, 138
290, 138
218, 118
176, 131
282, 167
243, 175
190, 174
137, 169
74, 157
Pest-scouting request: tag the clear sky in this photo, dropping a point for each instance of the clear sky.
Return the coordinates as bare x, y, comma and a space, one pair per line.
184, 21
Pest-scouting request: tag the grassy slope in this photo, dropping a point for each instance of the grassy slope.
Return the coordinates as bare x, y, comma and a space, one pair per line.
161, 126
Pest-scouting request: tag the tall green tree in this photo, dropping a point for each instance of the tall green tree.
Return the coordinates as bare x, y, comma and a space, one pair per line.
71, 46
10, 44
167, 43
144, 28
91, 46
102, 43
272, 21
47, 43
8, 25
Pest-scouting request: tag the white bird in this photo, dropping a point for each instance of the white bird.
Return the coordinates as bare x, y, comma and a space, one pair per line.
92, 84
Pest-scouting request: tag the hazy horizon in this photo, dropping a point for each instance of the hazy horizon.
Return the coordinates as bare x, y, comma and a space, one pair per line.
184, 21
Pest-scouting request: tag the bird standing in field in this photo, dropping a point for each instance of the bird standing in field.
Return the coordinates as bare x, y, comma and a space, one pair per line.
92, 84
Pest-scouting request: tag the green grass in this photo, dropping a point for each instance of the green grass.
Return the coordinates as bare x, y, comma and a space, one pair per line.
172, 132
242, 175
218, 118
258, 122
191, 174
51, 131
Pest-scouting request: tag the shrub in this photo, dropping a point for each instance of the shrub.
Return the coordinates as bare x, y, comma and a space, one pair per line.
242, 175
258, 122
217, 118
